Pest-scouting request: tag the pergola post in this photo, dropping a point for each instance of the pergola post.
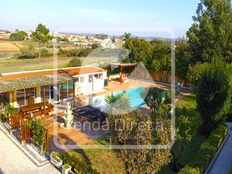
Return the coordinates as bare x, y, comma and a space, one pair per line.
13, 100
74, 94
44, 93
37, 94
121, 69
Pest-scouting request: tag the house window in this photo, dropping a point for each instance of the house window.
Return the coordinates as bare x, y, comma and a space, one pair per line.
20, 97
46, 93
5, 97
25, 96
90, 78
101, 76
82, 79
70, 91
66, 90
30, 95
96, 76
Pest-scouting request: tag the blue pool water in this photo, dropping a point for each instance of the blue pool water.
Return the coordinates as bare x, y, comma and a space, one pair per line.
135, 98
134, 94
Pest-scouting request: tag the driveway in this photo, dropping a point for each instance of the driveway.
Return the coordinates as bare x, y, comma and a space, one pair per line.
13, 160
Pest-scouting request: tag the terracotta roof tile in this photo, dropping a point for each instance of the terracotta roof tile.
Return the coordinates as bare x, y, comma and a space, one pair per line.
67, 71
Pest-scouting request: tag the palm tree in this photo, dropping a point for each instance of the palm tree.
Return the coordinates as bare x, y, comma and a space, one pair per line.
119, 102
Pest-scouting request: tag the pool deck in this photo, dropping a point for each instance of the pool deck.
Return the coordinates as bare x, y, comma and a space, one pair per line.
114, 86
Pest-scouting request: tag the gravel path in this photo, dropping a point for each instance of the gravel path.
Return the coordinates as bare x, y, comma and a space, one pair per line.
223, 162
14, 161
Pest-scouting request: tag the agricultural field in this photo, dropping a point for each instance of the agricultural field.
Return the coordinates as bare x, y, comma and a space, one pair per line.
10, 48
15, 65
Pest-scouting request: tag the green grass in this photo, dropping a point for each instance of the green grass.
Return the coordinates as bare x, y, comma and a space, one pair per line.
190, 149
104, 160
187, 101
15, 65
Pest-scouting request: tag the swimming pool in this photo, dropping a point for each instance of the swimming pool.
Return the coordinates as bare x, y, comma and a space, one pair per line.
134, 94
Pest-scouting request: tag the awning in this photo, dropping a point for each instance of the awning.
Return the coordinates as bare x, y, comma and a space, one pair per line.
30, 82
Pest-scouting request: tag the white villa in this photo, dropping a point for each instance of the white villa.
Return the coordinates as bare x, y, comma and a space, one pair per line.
54, 85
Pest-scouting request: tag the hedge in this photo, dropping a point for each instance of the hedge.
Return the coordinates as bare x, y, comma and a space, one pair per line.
230, 171
189, 170
207, 150
76, 160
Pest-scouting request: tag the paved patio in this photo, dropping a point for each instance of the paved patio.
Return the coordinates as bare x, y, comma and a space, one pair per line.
73, 136
13, 160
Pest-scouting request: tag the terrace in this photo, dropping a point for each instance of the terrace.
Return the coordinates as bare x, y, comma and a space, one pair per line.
37, 98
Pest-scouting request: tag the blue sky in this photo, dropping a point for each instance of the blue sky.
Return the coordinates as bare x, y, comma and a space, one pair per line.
140, 17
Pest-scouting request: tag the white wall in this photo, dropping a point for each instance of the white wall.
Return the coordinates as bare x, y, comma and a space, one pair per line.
85, 87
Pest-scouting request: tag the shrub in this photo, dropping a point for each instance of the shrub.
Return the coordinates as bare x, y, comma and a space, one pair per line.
28, 56
194, 72
44, 52
154, 97
56, 154
212, 94
77, 161
75, 62
230, 171
189, 170
2, 117
208, 149
38, 134
10, 111
72, 53
85, 52
28, 52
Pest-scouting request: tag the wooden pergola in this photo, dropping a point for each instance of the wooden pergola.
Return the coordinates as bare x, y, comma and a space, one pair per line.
122, 67
28, 113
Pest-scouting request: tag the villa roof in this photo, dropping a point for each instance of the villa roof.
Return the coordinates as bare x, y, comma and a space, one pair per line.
22, 80
123, 64
73, 71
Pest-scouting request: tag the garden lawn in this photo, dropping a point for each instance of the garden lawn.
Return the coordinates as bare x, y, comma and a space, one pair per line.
104, 160
190, 149
188, 101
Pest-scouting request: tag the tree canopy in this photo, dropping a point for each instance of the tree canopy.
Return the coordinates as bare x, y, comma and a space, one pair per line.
18, 36
136, 129
213, 97
41, 35
210, 34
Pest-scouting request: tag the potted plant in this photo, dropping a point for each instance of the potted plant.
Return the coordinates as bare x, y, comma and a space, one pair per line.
55, 159
10, 110
66, 169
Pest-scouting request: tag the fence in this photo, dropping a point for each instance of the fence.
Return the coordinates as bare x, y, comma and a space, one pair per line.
159, 76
